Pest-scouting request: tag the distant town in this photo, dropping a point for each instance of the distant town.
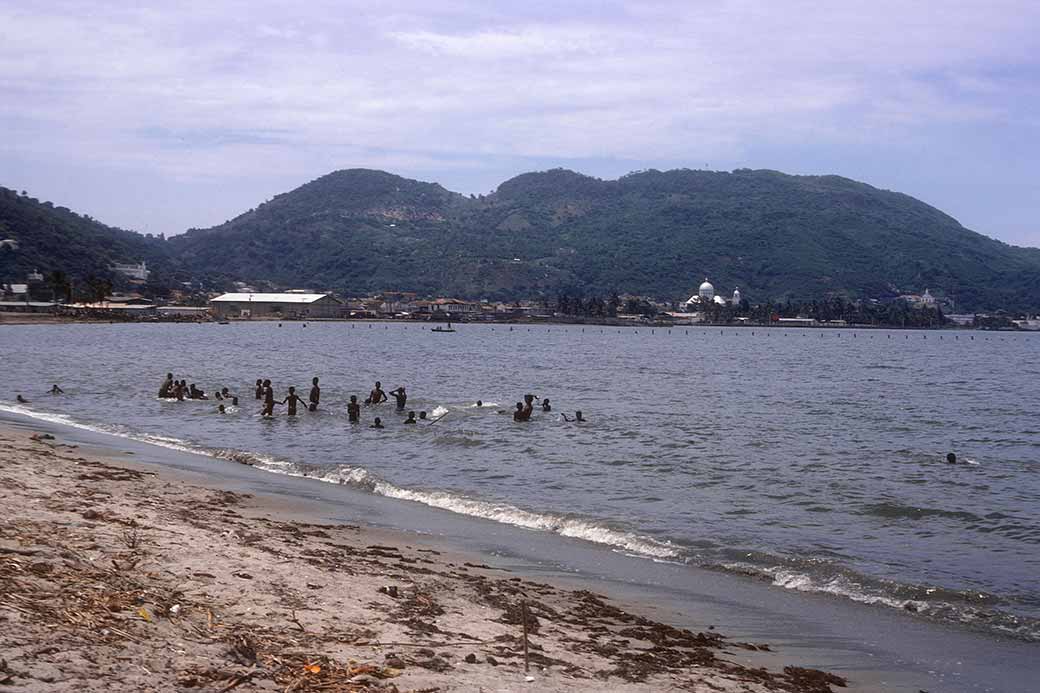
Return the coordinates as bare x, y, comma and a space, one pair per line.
54, 296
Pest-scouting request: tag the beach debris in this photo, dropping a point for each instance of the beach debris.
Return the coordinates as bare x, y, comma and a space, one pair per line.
243, 649
390, 590
6, 675
523, 606
131, 537
813, 680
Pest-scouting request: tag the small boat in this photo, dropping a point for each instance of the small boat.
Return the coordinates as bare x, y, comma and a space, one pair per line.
223, 322
443, 329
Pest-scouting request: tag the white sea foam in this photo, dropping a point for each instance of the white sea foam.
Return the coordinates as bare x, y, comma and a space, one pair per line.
359, 477
438, 411
838, 585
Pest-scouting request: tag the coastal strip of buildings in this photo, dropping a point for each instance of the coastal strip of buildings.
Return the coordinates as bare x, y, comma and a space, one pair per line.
246, 303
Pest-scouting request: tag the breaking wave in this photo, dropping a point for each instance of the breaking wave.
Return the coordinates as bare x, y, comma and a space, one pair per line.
361, 478
969, 608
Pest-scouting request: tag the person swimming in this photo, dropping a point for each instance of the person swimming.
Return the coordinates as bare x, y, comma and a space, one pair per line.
951, 458
166, 389
259, 388
225, 393
545, 405
354, 410
422, 415
577, 417
377, 396
315, 395
178, 390
401, 396
221, 410
411, 418
378, 423
21, 400
292, 399
518, 415
234, 401
480, 403
55, 390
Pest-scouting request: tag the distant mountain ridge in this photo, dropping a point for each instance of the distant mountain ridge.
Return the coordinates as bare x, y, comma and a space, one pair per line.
655, 233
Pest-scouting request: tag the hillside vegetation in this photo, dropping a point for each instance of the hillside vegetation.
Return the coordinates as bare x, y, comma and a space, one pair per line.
52, 238
655, 233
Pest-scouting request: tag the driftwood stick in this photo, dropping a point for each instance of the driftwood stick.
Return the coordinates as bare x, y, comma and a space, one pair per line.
523, 615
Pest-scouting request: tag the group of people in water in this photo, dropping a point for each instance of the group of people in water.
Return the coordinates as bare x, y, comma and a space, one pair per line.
180, 391
264, 392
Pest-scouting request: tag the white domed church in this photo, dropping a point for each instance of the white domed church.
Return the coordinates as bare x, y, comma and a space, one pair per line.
706, 294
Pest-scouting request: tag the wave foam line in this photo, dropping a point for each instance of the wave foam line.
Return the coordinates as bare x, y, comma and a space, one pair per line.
361, 478
840, 586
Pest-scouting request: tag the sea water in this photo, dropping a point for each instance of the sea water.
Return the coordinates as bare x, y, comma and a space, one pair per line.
811, 458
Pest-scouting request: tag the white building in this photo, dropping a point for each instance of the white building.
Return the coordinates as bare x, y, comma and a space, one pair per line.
139, 272
705, 294
736, 297
288, 304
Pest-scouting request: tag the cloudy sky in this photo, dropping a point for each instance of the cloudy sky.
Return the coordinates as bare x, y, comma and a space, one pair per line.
160, 117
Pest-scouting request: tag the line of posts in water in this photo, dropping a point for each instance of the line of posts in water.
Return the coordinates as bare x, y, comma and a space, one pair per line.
737, 332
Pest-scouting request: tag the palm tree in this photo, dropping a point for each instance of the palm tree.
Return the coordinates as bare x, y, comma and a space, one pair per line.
59, 284
100, 289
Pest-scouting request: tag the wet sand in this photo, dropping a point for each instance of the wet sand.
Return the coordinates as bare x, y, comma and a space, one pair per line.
120, 575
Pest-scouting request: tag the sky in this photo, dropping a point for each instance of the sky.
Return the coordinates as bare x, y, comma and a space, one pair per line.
159, 117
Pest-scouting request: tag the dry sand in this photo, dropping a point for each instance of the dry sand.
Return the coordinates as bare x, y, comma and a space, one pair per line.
115, 578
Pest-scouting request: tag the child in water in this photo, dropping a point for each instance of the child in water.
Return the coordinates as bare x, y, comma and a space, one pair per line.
354, 410
401, 396
411, 418
268, 409
292, 399
315, 394
378, 423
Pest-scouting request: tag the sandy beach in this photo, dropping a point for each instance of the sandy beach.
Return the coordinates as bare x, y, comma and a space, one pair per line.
115, 576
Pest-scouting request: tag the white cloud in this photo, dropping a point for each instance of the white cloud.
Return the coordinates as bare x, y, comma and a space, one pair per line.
416, 88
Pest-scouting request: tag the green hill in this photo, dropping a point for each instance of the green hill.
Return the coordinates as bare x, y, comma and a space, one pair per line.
51, 238
657, 233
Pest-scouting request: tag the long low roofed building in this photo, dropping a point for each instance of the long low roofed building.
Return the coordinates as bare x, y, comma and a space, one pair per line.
286, 305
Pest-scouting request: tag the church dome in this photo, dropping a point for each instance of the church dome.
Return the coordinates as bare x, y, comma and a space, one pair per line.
706, 290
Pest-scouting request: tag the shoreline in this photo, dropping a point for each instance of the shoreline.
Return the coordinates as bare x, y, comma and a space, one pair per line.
104, 559
51, 319
875, 648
